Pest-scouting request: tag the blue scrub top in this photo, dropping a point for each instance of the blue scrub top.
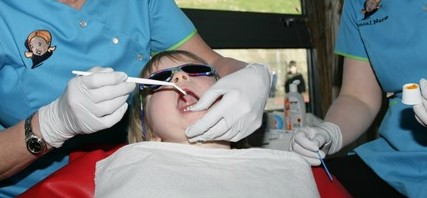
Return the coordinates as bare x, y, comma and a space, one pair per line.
113, 33
394, 41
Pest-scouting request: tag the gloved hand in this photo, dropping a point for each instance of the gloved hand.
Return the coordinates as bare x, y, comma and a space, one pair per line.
421, 109
307, 140
239, 112
89, 104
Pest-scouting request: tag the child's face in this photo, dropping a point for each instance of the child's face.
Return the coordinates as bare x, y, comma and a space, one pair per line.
166, 107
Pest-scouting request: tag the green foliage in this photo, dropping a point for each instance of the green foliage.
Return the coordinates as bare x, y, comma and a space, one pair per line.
273, 6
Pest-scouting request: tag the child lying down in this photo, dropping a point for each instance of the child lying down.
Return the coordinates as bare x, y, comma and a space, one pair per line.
161, 162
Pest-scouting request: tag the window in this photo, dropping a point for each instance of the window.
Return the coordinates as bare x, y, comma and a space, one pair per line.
270, 31
278, 61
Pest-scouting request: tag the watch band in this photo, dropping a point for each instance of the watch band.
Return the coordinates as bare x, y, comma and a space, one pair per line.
35, 145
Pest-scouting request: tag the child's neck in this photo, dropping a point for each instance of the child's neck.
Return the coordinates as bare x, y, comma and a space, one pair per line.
215, 144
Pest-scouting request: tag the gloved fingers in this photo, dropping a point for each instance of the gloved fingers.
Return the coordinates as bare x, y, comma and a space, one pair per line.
303, 151
109, 120
101, 79
199, 138
421, 112
423, 87
222, 131
231, 136
211, 118
313, 161
203, 124
207, 99
420, 121
311, 157
322, 154
304, 141
110, 92
319, 139
116, 116
107, 107
225, 131
218, 129
100, 69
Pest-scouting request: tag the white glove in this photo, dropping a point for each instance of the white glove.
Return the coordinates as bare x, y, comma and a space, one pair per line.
239, 112
89, 104
421, 109
307, 140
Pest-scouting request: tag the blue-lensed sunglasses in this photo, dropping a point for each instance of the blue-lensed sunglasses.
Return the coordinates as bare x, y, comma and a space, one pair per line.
192, 69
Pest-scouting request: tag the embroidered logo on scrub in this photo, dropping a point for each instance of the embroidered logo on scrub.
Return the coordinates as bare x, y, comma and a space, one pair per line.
371, 6
39, 47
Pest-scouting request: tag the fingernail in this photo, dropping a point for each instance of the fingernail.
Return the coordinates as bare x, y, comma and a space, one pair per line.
122, 75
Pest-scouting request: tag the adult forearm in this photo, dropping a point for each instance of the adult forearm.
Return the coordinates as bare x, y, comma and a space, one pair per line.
14, 155
225, 65
352, 116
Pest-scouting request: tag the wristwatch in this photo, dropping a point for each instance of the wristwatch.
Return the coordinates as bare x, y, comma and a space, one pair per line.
35, 145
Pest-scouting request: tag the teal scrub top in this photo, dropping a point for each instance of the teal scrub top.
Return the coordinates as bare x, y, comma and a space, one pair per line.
393, 39
42, 41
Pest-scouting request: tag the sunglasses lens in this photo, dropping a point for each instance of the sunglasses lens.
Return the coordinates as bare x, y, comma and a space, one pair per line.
196, 69
161, 76
192, 70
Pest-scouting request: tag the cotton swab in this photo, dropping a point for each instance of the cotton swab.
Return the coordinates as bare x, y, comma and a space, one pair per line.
324, 166
138, 80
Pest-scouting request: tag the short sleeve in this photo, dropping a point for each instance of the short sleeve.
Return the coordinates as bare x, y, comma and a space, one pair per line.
170, 27
349, 42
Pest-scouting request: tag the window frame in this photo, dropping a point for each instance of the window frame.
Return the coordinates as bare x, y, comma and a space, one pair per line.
234, 30
253, 30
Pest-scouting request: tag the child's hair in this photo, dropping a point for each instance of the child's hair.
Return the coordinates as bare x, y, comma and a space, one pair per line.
135, 131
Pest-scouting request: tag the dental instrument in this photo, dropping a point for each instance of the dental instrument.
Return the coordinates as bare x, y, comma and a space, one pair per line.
139, 81
324, 166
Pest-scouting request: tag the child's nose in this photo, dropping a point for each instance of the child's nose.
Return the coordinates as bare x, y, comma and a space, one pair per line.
180, 76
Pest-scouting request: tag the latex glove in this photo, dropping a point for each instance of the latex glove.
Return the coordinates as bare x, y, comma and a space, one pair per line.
89, 104
239, 112
307, 140
421, 109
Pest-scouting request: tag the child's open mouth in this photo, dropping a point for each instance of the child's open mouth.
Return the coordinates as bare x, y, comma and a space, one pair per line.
184, 101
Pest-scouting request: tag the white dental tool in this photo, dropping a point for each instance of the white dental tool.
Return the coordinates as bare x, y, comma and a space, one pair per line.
138, 80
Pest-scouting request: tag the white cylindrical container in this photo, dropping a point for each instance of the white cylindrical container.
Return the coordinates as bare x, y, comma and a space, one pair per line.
294, 112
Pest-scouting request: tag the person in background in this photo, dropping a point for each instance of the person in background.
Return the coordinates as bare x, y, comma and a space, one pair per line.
292, 75
45, 110
382, 51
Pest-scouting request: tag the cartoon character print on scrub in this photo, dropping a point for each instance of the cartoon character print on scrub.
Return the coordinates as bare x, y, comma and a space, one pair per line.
39, 47
371, 6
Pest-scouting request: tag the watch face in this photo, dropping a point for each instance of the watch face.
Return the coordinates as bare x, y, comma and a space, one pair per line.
34, 145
